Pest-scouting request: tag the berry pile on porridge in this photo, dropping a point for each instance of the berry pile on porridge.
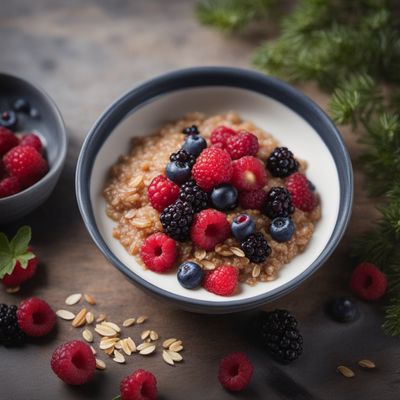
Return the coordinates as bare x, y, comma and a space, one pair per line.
216, 197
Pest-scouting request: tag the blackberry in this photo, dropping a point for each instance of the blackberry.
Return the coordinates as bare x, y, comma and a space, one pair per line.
191, 130
278, 333
192, 194
10, 332
256, 248
176, 220
282, 163
278, 203
183, 157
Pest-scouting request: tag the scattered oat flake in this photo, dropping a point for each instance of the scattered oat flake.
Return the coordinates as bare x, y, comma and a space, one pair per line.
89, 299
109, 351
100, 364
80, 318
125, 347
89, 318
118, 357
118, 345
65, 314
153, 335
104, 330
167, 358
208, 265
101, 318
237, 252
200, 254
13, 289
131, 344
141, 319
144, 345
345, 371
87, 335
147, 350
168, 342
112, 326
176, 346
368, 364
73, 299
145, 335
174, 355
128, 322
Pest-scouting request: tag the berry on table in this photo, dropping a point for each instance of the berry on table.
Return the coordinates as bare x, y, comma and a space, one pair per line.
224, 197
21, 105
10, 332
242, 227
302, 196
26, 163
222, 280
368, 282
9, 186
191, 130
178, 172
162, 192
213, 167
281, 229
210, 227
183, 157
256, 248
281, 162
190, 275
248, 173
243, 144
194, 144
221, 134
73, 362
8, 140
8, 119
32, 140
159, 252
235, 371
177, 219
192, 194
342, 309
278, 203
141, 385
278, 333
35, 317
252, 200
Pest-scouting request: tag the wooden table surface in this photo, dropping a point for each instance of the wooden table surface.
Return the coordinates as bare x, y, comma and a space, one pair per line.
85, 54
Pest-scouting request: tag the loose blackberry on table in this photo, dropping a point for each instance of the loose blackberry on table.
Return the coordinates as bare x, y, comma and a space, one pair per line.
177, 219
281, 162
10, 332
192, 194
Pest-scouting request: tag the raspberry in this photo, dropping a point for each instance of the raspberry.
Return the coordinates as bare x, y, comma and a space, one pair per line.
278, 203
19, 274
8, 140
141, 385
73, 362
256, 248
368, 282
162, 192
221, 134
248, 174
26, 163
253, 200
302, 196
159, 252
281, 162
222, 280
209, 228
35, 317
243, 144
2, 170
9, 186
32, 140
10, 332
213, 166
235, 371
177, 219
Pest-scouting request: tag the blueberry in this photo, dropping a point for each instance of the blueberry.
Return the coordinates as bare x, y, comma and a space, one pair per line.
190, 275
194, 144
224, 197
242, 227
8, 119
343, 309
22, 105
178, 172
281, 229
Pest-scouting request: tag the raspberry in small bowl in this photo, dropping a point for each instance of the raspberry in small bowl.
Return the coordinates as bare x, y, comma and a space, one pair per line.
32, 147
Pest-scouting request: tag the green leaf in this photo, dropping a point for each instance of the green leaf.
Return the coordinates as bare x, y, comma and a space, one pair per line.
24, 258
20, 242
4, 244
117, 397
6, 266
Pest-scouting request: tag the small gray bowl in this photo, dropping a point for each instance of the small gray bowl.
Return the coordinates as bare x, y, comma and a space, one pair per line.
50, 127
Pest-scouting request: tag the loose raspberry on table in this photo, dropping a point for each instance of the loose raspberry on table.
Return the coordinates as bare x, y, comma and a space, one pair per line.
221, 134
282, 163
19, 275
210, 227
252, 200
213, 166
35, 317
368, 282
302, 196
33, 140
278, 203
235, 371
9, 186
243, 144
8, 140
73, 362
222, 280
141, 385
248, 173
162, 192
25, 163
159, 252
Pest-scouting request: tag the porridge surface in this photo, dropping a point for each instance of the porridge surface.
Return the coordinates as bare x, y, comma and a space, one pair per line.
136, 219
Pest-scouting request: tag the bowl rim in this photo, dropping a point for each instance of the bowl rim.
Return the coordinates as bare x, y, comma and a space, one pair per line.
62, 148
214, 76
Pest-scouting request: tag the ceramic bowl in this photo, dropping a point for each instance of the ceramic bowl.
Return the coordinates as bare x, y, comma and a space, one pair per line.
50, 127
272, 105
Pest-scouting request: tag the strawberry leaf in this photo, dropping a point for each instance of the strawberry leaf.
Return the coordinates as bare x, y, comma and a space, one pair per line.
24, 259
4, 244
20, 242
6, 265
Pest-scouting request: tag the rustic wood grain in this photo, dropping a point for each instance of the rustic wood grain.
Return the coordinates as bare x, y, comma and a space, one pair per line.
85, 54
